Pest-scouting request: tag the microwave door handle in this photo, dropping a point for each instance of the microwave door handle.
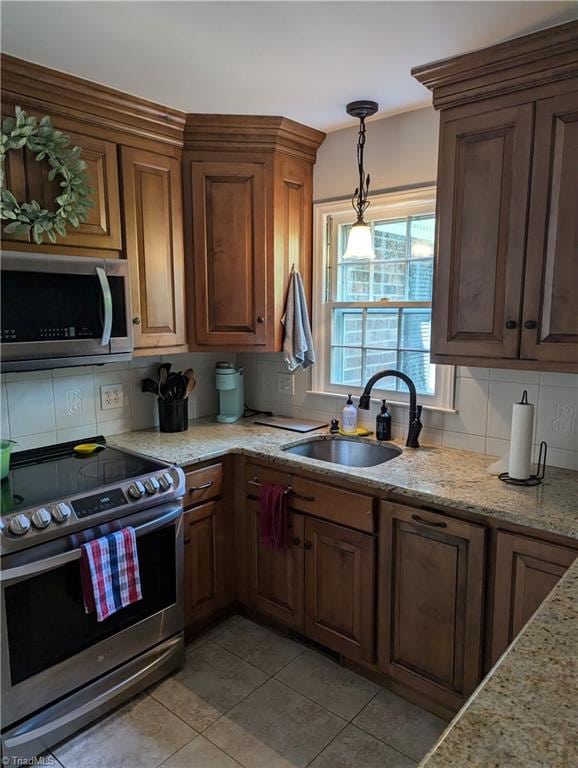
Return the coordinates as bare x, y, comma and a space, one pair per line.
107, 301
50, 563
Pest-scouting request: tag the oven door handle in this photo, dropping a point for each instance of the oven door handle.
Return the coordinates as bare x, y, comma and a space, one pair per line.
19, 739
107, 301
50, 563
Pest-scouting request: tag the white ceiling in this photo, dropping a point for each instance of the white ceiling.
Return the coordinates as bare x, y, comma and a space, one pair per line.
304, 60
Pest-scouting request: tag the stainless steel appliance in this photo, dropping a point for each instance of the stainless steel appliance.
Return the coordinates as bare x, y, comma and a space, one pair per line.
60, 311
61, 668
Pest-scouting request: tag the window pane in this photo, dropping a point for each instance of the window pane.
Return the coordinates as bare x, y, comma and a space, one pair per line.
390, 239
422, 237
418, 367
346, 366
420, 280
347, 329
378, 360
353, 281
389, 281
415, 329
381, 328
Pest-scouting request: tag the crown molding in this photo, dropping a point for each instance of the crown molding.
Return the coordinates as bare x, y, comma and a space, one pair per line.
246, 132
35, 87
525, 62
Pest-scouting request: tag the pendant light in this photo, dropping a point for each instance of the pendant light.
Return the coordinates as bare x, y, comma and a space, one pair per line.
360, 242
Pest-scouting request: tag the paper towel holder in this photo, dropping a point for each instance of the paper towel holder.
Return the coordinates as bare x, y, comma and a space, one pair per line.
533, 479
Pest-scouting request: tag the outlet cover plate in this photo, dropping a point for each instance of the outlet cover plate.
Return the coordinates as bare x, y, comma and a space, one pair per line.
111, 396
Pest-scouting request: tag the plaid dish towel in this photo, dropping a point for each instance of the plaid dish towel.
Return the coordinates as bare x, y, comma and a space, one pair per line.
110, 573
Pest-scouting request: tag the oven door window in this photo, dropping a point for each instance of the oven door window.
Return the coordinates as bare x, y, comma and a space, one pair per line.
65, 307
45, 615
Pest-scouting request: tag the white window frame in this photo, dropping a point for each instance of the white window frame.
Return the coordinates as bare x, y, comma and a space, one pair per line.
327, 216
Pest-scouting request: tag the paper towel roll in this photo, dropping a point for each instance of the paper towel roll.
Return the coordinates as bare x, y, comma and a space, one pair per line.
521, 439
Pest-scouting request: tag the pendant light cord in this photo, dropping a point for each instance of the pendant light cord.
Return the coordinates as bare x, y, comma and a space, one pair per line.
359, 201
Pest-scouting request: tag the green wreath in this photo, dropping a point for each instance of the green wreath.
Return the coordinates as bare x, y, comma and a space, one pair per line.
42, 139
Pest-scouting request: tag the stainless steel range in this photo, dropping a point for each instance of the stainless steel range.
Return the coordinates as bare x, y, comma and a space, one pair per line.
60, 667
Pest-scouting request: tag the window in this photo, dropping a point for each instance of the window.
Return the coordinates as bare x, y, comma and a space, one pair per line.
376, 314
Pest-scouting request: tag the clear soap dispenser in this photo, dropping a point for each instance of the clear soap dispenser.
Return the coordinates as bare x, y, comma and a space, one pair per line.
349, 418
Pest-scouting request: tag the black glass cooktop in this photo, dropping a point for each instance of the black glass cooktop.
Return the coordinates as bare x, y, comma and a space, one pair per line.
56, 472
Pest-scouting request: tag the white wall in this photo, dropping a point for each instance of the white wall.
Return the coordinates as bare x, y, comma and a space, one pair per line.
44, 407
402, 151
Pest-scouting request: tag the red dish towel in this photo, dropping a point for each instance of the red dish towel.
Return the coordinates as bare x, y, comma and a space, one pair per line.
110, 573
274, 518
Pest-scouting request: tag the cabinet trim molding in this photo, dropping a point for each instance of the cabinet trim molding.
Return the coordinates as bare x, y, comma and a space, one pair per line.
537, 59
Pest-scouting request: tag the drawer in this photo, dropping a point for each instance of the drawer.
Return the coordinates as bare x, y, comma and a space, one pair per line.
355, 510
203, 484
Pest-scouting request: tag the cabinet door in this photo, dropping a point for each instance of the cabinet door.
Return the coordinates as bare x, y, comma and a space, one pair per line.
28, 180
153, 220
276, 578
340, 588
430, 602
229, 253
204, 561
526, 572
483, 177
550, 318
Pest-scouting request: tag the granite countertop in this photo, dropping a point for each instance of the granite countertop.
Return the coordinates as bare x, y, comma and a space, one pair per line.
523, 714
444, 476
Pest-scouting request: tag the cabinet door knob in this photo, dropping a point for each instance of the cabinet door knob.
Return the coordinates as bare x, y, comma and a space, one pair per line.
260, 319
186, 540
296, 541
530, 324
511, 324
136, 321
307, 545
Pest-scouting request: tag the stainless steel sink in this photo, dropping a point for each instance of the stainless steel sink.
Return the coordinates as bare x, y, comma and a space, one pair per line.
342, 450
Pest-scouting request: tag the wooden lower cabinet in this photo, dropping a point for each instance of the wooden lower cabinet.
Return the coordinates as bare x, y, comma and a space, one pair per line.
205, 561
276, 578
526, 572
430, 602
339, 588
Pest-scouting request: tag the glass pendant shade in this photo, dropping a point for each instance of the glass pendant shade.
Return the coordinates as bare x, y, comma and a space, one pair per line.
360, 242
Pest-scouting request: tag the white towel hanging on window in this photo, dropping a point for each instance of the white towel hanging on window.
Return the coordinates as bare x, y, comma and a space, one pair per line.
298, 342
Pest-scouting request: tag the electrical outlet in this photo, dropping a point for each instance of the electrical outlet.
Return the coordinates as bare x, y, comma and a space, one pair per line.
111, 396
286, 384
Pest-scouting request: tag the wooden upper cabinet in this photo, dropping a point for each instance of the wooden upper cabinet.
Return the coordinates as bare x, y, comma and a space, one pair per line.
550, 317
430, 579
526, 572
507, 242
229, 246
248, 220
153, 222
28, 180
340, 588
484, 168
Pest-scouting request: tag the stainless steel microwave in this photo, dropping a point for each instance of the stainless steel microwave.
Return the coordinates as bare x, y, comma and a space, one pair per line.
60, 311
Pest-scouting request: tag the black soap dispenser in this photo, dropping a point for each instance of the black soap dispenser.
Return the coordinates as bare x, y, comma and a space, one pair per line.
383, 424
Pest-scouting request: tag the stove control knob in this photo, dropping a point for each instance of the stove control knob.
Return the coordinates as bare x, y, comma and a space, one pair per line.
151, 485
61, 512
19, 525
166, 481
136, 490
41, 518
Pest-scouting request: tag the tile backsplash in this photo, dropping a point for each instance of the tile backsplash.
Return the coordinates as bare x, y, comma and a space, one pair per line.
483, 402
43, 407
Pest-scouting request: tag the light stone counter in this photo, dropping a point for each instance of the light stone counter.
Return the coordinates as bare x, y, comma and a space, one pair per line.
455, 479
524, 714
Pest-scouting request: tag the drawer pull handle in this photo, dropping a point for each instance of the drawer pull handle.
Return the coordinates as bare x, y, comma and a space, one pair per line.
433, 523
300, 496
307, 545
200, 487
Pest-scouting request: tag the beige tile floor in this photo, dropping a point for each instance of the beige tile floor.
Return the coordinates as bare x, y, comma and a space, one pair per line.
249, 697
